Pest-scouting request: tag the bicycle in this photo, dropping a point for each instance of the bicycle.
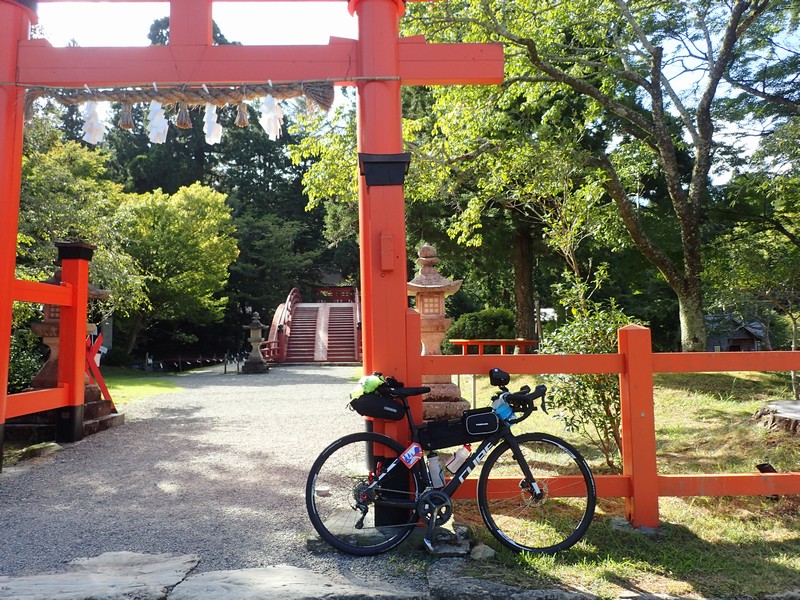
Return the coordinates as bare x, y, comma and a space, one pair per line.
366, 492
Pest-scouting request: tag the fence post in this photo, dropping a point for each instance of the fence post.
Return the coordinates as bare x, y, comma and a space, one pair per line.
74, 258
638, 425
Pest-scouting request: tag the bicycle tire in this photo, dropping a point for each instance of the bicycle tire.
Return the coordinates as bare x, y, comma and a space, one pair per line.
552, 523
338, 474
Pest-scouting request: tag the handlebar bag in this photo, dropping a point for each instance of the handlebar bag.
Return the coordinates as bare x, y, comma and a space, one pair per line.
379, 407
481, 422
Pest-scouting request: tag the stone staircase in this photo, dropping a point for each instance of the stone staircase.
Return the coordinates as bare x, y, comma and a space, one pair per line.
341, 333
322, 332
303, 334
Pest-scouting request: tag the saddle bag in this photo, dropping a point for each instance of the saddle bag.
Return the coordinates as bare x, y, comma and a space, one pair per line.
379, 407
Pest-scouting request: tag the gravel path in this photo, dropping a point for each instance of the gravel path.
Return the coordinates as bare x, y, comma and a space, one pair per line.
217, 469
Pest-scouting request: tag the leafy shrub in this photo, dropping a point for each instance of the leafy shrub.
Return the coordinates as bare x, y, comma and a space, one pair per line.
490, 323
589, 404
26, 360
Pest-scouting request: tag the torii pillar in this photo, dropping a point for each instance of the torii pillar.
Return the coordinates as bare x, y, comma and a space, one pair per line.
15, 23
378, 63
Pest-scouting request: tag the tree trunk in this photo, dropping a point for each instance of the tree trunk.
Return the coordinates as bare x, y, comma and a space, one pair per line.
136, 327
693, 325
525, 319
795, 388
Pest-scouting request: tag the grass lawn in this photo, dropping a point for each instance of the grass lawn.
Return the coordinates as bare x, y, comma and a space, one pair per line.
129, 385
706, 547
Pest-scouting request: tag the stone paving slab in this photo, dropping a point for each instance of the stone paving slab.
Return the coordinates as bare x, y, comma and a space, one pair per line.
131, 576
280, 581
110, 576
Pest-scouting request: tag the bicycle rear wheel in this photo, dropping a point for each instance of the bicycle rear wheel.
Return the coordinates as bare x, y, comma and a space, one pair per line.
548, 524
340, 509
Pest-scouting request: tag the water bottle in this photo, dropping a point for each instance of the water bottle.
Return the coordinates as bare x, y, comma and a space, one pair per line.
435, 468
458, 458
502, 408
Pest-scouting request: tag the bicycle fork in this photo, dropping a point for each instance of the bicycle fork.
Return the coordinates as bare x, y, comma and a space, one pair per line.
531, 485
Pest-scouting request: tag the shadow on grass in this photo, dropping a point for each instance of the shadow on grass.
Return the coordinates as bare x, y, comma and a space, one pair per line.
678, 558
678, 561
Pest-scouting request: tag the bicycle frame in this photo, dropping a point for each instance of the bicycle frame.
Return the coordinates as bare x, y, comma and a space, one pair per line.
473, 460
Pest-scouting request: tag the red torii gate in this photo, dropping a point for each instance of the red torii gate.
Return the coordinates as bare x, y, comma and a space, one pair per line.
378, 63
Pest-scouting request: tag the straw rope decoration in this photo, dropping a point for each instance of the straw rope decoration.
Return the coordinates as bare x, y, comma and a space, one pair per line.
319, 93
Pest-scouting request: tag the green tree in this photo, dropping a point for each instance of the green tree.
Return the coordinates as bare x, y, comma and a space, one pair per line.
182, 160
588, 404
184, 243
281, 244
652, 72
66, 194
765, 192
747, 268
519, 176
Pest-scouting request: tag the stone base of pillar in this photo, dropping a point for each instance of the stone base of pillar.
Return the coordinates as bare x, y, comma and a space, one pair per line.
444, 401
91, 393
254, 366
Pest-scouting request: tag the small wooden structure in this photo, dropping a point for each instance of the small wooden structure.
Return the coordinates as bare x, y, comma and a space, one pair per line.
511, 346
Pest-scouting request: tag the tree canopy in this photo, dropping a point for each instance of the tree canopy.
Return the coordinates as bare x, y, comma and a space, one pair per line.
184, 244
651, 77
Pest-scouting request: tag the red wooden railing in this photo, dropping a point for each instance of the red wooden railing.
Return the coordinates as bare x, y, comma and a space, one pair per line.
640, 482
336, 293
92, 370
274, 349
517, 346
357, 322
72, 296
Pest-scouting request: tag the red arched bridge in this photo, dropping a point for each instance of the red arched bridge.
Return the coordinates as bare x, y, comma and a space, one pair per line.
328, 330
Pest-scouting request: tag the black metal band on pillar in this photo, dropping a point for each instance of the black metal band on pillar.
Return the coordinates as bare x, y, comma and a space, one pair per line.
79, 250
384, 169
32, 4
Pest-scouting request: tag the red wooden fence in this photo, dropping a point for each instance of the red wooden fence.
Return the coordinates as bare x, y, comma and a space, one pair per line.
72, 297
640, 483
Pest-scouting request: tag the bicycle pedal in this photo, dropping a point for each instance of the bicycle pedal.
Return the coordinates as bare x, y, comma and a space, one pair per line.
428, 544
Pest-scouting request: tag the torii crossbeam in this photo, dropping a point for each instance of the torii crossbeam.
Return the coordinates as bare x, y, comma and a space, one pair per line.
378, 63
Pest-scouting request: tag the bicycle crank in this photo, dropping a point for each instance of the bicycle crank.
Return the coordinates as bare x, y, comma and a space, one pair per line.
434, 508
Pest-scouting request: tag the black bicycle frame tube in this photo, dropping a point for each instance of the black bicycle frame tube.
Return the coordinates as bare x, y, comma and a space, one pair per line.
477, 457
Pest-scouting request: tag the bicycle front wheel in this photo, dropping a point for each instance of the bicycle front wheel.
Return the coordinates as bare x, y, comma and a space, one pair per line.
349, 515
519, 520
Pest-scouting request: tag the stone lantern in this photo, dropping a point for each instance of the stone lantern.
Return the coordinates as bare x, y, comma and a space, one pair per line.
430, 288
255, 362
